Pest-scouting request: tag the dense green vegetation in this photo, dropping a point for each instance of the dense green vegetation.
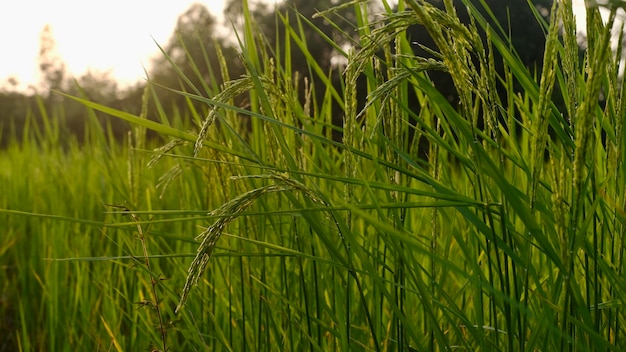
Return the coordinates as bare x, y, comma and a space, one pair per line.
492, 221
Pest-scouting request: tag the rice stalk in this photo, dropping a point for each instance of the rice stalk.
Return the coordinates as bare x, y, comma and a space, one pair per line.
226, 214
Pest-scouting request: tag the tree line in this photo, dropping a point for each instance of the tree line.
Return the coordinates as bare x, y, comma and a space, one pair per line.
196, 52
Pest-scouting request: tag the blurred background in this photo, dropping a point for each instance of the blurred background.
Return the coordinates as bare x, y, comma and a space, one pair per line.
115, 38
107, 51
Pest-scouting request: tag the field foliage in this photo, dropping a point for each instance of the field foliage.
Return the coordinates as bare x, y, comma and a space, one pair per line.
495, 224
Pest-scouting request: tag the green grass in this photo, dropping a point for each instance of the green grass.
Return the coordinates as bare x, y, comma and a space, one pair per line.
276, 237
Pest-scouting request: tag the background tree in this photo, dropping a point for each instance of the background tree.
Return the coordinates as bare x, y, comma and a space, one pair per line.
269, 22
512, 19
51, 65
193, 52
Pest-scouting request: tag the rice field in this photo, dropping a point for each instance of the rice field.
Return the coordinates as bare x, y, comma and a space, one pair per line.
496, 224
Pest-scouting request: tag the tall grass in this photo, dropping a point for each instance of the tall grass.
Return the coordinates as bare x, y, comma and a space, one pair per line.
271, 235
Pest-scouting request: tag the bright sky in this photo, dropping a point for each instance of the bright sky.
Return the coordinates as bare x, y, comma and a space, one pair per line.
114, 35
97, 35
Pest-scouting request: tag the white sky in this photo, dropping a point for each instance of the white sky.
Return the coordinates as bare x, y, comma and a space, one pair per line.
113, 35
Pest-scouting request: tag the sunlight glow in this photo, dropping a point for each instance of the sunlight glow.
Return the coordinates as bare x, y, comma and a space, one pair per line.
114, 36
